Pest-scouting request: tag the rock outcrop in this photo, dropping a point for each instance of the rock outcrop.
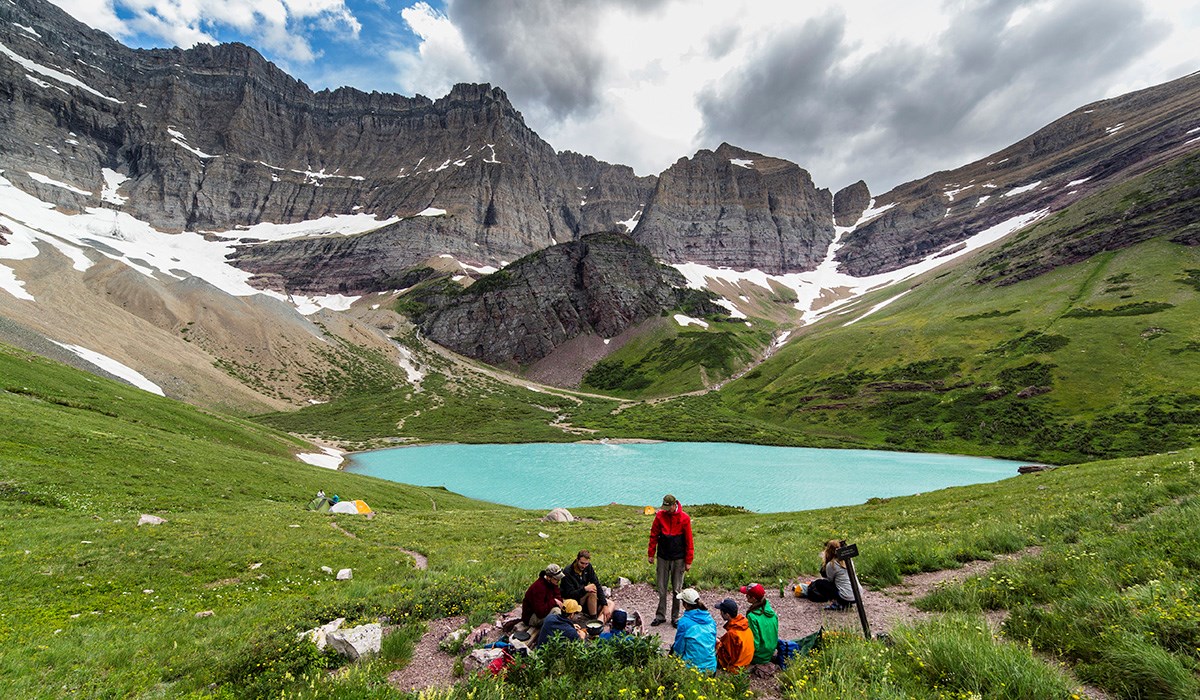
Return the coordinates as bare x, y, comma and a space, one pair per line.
602, 284
734, 208
850, 202
217, 137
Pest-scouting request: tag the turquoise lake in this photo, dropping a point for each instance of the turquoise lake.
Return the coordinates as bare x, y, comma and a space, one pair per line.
761, 478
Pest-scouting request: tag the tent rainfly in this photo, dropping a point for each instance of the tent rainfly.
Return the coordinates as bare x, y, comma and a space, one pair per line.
351, 507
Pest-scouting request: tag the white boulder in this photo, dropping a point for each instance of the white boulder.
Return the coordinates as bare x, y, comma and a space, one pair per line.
357, 642
559, 515
150, 520
480, 658
320, 635
345, 574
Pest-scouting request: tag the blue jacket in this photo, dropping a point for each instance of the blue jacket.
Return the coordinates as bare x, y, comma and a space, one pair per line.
696, 640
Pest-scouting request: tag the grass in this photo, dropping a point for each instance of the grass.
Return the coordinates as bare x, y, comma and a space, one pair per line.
96, 606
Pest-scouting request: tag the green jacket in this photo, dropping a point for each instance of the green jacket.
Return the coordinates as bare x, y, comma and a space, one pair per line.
764, 625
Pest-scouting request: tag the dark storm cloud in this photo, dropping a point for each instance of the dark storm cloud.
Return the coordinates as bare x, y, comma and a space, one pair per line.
911, 109
543, 52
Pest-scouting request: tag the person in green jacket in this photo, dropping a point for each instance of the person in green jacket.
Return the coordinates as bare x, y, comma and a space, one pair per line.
764, 624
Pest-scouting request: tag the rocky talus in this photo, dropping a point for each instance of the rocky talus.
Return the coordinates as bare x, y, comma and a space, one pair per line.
601, 284
735, 208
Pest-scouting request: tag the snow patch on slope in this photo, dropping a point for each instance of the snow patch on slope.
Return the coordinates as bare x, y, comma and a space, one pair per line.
114, 368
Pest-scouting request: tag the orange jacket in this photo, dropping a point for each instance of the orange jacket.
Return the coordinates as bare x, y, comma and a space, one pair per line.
735, 649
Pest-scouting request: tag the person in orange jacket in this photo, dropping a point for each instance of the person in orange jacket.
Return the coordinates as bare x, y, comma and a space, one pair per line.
671, 539
735, 648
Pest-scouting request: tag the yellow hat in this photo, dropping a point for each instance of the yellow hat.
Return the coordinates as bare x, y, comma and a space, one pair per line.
571, 606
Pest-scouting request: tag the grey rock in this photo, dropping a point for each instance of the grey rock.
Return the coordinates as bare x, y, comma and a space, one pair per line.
357, 642
559, 515
602, 284
850, 202
320, 635
736, 208
480, 658
147, 519
345, 574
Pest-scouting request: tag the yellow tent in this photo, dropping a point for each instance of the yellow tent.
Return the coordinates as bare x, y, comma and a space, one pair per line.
648, 510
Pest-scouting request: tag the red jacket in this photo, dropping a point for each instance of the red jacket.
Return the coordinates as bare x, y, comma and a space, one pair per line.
671, 535
539, 598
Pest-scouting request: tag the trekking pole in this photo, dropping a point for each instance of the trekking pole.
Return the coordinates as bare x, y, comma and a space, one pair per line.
847, 552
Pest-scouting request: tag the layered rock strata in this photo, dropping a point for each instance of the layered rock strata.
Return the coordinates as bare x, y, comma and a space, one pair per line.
735, 208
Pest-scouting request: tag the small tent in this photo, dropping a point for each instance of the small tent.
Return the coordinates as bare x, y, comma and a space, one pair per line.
648, 510
351, 507
320, 504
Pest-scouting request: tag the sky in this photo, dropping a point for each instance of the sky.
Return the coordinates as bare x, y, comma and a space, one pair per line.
877, 90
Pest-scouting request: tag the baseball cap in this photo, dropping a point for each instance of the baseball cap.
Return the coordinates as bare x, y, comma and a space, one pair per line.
571, 606
669, 500
554, 571
689, 595
728, 606
754, 589
619, 618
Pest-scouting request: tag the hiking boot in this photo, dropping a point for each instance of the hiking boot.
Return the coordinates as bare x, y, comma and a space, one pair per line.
656, 622
675, 622
837, 607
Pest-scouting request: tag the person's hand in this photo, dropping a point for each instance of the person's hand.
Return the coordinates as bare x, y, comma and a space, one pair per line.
591, 588
649, 560
687, 567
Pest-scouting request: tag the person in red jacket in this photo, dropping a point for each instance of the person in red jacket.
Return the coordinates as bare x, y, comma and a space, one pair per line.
542, 596
671, 539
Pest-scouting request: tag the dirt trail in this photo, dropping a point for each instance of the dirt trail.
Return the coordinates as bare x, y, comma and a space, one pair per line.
419, 560
797, 617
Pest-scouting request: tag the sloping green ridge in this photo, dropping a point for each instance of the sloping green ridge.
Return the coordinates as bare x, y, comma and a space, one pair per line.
96, 606
1094, 359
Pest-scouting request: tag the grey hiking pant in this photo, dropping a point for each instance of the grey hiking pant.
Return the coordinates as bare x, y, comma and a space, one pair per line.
669, 577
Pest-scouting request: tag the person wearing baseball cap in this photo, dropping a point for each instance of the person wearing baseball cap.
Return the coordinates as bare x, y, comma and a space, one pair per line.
542, 595
671, 540
764, 624
735, 648
696, 633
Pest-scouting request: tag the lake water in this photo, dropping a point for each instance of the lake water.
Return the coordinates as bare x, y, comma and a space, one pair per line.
761, 478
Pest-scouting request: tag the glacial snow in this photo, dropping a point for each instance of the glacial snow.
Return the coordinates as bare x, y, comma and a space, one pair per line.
114, 368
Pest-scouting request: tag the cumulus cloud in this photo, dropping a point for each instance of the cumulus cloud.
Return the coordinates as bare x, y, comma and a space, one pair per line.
996, 72
440, 59
278, 27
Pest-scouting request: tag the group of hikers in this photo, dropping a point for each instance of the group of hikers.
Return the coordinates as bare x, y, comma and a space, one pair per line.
572, 603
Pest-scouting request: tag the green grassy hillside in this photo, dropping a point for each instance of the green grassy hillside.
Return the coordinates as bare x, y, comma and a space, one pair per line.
96, 606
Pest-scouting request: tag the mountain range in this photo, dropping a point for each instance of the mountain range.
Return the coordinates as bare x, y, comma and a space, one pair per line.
206, 222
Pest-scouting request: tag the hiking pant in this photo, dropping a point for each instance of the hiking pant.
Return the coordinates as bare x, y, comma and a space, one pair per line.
669, 577
822, 590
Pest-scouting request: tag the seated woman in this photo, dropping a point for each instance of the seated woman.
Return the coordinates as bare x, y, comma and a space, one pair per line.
834, 584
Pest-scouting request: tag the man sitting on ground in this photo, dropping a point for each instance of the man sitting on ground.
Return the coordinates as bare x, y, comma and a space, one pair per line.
542, 595
764, 625
582, 584
735, 649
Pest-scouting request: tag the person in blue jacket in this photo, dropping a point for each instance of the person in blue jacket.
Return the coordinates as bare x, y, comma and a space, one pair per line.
696, 634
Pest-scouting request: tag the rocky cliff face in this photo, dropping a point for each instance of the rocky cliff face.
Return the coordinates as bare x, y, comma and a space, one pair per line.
850, 202
1090, 149
611, 197
601, 284
216, 137
735, 208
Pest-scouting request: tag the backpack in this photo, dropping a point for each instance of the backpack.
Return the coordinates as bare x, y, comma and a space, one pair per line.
787, 648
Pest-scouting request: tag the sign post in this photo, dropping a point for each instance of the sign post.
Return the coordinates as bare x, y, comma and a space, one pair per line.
847, 552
